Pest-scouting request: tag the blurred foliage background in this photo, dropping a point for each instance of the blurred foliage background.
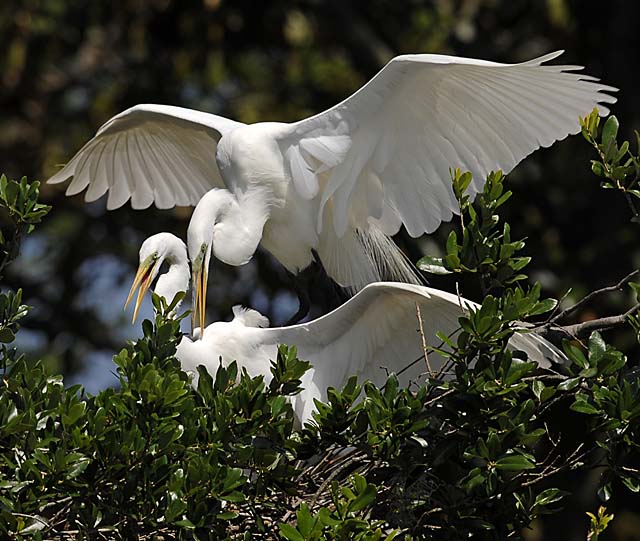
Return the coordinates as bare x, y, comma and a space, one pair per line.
66, 66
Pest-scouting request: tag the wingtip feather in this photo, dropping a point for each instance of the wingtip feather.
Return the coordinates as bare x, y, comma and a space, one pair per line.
60, 176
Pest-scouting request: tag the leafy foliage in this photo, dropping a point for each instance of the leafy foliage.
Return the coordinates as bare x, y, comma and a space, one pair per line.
153, 454
344, 522
598, 523
478, 451
19, 212
486, 248
617, 165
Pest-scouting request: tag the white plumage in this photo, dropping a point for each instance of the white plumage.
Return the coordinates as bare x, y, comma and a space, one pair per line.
341, 181
373, 333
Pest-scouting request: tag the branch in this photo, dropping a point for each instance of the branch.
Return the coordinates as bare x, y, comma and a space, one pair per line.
424, 342
580, 330
588, 298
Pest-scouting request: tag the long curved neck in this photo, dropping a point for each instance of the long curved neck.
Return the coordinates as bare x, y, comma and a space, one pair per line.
173, 281
234, 222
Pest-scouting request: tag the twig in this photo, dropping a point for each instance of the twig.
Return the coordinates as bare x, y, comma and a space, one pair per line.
570, 461
459, 296
579, 330
331, 477
556, 309
588, 298
439, 397
34, 517
424, 342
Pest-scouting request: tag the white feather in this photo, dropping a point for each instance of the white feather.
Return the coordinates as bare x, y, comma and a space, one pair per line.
376, 332
166, 153
341, 181
423, 114
249, 317
373, 334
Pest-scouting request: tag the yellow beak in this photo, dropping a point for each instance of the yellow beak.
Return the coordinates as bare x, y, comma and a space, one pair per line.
142, 280
200, 301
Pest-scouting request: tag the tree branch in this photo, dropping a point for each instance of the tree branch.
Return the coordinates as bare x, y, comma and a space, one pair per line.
588, 298
580, 330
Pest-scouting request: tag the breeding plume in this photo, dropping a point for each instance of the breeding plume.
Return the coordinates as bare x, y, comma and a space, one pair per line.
339, 183
377, 329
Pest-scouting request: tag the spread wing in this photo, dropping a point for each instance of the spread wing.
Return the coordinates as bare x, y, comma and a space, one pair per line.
378, 329
385, 153
150, 154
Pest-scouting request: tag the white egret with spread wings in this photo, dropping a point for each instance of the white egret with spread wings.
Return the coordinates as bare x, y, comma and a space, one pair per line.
336, 185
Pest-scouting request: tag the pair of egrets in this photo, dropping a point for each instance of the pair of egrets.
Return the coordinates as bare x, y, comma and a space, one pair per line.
340, 183
385, 328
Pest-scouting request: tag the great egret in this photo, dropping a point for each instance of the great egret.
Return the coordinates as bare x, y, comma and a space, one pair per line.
377, 329
341, 182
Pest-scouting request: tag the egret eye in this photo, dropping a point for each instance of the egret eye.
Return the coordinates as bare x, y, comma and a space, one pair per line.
197, 263
149, 260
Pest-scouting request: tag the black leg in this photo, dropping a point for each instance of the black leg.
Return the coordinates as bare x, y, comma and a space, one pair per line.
316, 276
337, 295
304, 302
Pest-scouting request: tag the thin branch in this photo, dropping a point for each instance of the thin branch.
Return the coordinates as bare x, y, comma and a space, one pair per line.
344, 465
588, 298
580, 330
424, 342
438, 398
574, 458
555, 311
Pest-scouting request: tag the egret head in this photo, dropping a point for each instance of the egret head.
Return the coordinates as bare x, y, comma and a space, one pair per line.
153, 252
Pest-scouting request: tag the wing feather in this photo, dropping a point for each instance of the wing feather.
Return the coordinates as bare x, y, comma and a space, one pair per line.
377, 331
424, 114
146, 147
138, 154
80, 182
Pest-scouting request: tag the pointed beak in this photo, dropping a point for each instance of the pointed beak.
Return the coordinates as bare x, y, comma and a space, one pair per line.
200, 299
142, 281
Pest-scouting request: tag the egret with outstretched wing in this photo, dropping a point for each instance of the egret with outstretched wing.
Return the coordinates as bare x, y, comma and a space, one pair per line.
376, 332
340, 183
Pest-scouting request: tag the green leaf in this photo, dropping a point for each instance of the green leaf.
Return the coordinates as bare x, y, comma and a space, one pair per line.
364, 499
568, 384
75, 412
290, 533
452, 243
597, 168
610, 130
581, 405
543, 307
475, 478
604, 492
575, 354
433, 265
537, 386
514, 463
632, 484
597, 348
7, 335
549, 496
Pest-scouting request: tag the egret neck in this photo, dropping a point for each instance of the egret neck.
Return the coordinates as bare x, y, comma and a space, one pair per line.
229, 226
153, 252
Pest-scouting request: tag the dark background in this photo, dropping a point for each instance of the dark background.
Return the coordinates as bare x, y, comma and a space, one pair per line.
68, 66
